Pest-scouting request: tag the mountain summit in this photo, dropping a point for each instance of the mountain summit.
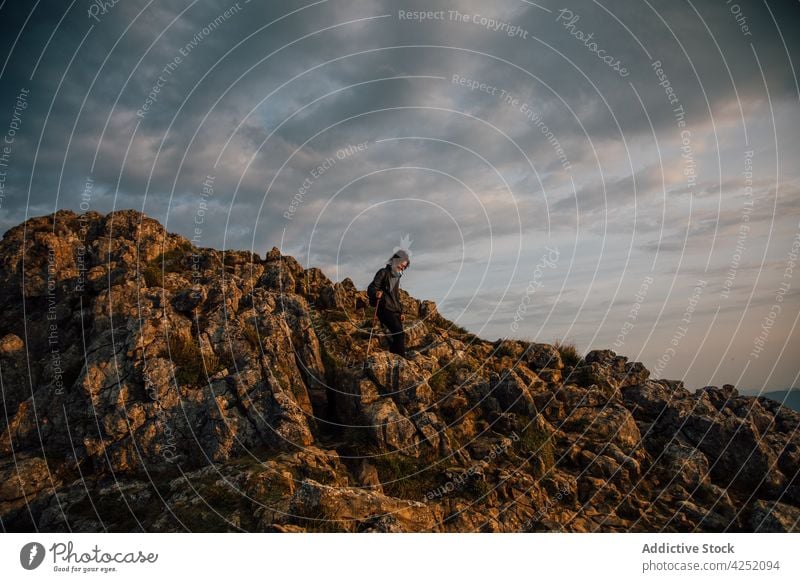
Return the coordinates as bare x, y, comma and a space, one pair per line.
149, 385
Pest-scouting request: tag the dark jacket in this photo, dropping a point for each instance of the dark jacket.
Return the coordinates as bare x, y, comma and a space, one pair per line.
390, 301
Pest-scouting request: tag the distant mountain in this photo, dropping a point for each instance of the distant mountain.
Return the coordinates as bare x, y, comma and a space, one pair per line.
150, 385
789, 397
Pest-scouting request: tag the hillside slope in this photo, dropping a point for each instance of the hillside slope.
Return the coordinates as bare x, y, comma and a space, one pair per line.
152, 386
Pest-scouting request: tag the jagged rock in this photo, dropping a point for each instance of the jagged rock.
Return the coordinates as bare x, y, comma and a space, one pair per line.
552, 376
651, 398
573, 395
604, 367
187, 301
338, 296
730, 431
686, 464
720, 396
278, 278
401, 379
427, 310
389, 428
10, 344
512, 394
354, 391
236, 392
26, 477
367, 476
540, 356
359, 510
612, 423
774, 517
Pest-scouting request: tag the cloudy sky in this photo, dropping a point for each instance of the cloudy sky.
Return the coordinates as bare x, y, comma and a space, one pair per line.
623, 176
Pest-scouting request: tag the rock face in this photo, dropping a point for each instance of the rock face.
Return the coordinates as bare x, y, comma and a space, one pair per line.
151, 385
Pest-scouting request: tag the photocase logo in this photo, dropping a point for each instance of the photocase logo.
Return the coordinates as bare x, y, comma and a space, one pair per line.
31, 555
405, 244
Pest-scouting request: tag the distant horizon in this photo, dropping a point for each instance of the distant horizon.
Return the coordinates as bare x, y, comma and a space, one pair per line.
752, 391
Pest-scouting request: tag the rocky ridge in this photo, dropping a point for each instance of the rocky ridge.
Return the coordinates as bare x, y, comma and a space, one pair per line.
149, 385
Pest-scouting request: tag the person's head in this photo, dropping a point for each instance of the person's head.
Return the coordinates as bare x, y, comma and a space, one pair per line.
400, 261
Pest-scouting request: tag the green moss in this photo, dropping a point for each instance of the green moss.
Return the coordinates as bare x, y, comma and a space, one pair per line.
406, 477
538, 443
152, 276
190, 366
106, 509
440, 381
216, 502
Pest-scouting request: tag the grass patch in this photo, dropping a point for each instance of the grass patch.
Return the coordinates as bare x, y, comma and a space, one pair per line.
406, 477
569, 352
219, 501
537, 442
190, 366
458, 329
442, 379
152, 276
170, 261
476, 488
401, 476
106, 509
252, 336
462, 333
445, 379
336, 315
503, 350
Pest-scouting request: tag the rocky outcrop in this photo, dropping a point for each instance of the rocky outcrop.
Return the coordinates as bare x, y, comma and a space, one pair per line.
152, 385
